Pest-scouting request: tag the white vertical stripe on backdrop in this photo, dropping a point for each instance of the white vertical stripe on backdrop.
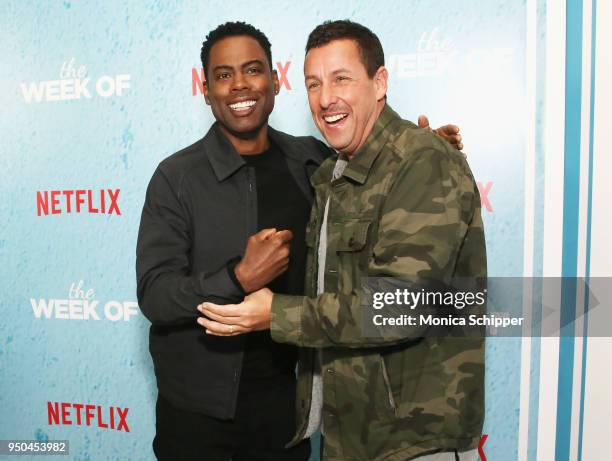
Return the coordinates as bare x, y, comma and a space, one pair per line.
553, 216
598, 400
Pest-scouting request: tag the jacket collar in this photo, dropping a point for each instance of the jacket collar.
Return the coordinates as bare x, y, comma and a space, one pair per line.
360, 164
226, 161
293, 150
223, 158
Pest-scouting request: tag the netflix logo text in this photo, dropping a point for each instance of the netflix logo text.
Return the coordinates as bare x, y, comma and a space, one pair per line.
198, 78
98, 201
81, 414
485, 190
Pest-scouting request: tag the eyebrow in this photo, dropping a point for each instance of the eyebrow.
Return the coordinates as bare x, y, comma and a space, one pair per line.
251, 62
336, 72
222, 67
246, 64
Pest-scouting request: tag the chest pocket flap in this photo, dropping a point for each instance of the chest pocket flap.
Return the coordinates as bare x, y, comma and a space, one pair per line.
353, 235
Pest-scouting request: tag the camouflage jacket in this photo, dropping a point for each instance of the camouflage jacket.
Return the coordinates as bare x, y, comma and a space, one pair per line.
406, 205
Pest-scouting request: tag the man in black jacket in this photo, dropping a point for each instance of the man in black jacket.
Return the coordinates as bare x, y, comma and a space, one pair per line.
219, 221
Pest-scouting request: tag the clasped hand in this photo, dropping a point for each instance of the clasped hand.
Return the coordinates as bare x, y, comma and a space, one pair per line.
266, 257
252, 314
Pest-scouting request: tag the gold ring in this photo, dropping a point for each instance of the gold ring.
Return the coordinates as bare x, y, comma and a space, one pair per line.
231, 328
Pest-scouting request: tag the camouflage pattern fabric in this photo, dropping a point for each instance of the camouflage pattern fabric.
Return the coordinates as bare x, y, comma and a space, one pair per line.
406, 206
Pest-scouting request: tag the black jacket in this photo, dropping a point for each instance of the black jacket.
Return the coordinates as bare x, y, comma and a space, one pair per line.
200, 209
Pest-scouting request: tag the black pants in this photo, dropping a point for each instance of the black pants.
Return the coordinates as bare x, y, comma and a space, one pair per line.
264, 423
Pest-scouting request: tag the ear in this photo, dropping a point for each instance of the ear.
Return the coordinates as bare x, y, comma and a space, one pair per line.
205, 90
381, 78
275, 81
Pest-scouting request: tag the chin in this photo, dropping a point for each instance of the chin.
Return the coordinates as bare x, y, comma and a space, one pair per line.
247, 127
337, 140
337, 145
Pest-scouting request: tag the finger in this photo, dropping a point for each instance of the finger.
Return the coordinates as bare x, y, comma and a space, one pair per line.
448, 130
266, 233
221, 319
423, 121
220, 329
456, 144
283, 269
212, 326
452, 140
280, 266
284, 235
210, 333
225, 310
279, 269
212, 306
283, 252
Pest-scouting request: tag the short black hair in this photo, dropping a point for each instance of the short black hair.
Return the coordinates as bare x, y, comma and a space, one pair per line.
234, 29
370, 49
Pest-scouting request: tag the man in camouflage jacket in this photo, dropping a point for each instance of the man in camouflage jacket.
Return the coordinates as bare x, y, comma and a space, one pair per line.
406, 206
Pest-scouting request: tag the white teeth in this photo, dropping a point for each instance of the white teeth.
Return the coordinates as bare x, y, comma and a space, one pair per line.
334, 118
243, 105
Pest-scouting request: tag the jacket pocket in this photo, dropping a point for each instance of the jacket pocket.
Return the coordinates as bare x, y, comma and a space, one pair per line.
353, 235
389, 387
348, 260
417, 384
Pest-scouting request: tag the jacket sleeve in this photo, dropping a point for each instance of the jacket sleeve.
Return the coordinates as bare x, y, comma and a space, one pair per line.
168, 292
422, 226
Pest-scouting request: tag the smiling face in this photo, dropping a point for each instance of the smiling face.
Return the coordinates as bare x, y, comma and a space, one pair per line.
240, 86
344, 102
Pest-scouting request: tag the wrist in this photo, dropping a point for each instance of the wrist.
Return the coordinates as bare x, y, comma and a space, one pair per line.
242, 277
231, 270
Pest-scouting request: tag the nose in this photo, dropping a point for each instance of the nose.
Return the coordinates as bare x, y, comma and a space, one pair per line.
327, 96
239, 83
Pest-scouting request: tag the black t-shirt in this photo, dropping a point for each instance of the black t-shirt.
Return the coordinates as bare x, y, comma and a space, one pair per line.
282, 205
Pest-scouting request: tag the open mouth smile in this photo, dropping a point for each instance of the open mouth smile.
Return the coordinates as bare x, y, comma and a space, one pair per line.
333, 119
243, 106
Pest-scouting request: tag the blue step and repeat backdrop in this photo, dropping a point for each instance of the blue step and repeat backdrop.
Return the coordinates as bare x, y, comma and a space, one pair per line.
96, 94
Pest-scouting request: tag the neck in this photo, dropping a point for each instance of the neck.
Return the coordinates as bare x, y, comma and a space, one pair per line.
248, 144
368, 129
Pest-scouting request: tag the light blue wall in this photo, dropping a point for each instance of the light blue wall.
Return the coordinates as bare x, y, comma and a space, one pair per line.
116, 142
